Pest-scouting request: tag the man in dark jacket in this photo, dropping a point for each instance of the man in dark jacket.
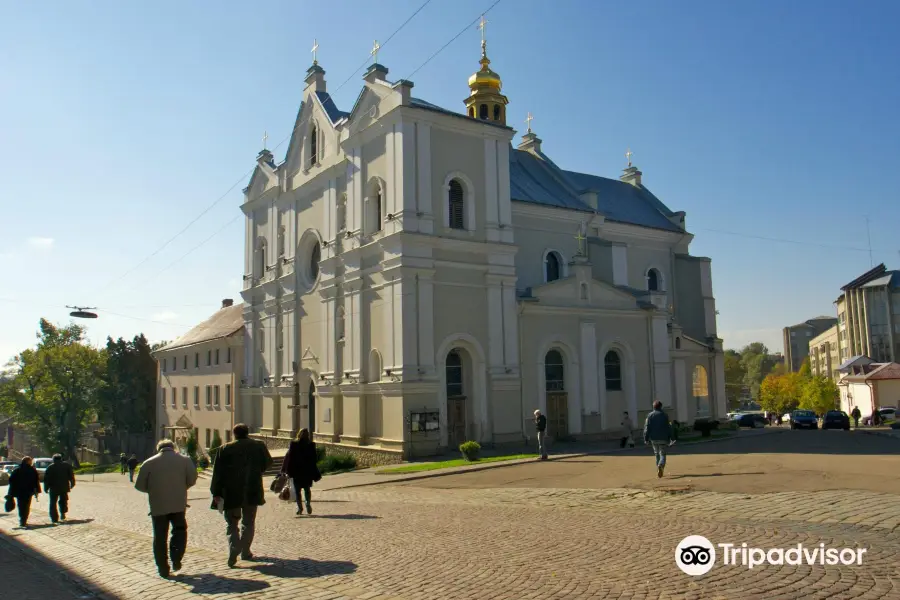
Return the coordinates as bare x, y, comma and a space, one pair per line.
133, 463
24, 484
237, 489
59, 479
658, 433
540, 425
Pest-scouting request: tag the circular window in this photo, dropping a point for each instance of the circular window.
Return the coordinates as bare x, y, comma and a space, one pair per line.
309, 253
314, 261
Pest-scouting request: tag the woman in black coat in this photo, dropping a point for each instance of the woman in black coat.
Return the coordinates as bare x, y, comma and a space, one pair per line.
300, 466
24, 484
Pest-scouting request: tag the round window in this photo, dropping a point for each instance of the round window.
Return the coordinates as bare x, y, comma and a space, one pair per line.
314, 258
309, 254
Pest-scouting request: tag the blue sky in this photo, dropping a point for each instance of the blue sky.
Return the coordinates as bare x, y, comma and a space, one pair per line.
121, 122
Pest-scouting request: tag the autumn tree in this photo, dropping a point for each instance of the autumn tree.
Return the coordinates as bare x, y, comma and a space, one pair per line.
820, 394
53, 389
780, 393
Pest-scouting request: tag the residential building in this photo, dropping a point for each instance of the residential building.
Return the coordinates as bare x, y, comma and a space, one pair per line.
824, 354
412, 281
870, 387
797, 338
199, 374
869, 316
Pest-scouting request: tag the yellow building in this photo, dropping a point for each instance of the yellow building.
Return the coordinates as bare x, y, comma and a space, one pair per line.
824, 354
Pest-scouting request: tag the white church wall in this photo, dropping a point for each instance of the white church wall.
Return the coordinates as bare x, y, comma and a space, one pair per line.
456, 152
642, 258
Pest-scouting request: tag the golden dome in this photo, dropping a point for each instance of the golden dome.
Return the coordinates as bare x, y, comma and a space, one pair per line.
485, 77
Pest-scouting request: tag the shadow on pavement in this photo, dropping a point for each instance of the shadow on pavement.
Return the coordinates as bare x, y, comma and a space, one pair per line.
691, 476
25, 573
303, 567
76, 521
350, 517
208, 583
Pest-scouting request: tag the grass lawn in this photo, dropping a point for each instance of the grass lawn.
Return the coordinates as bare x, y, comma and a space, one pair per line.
446, 464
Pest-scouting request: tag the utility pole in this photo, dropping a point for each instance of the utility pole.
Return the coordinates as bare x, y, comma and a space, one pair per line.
869, 239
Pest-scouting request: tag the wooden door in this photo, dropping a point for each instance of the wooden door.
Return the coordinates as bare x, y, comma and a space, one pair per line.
558, 414
456, 421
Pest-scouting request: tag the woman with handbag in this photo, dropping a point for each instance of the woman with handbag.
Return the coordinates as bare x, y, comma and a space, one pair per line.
300, 466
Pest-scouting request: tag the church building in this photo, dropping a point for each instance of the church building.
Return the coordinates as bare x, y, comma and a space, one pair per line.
413, 281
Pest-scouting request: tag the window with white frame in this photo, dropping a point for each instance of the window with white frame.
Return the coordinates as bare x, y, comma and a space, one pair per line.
196, 396
456, 204
184, 397
216, 397
162, 395
174, 397
227, 394
208, 396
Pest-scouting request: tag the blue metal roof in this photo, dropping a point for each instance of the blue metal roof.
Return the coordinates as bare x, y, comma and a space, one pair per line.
331, 109
532, 181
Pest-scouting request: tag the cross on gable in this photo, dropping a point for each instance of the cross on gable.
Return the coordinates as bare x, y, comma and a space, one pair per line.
375, 48
315, 50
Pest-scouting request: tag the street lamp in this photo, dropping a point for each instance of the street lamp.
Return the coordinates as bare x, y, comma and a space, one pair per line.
82, 312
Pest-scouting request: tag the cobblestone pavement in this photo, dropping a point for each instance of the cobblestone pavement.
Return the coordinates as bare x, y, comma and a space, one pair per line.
414, 542
24, 578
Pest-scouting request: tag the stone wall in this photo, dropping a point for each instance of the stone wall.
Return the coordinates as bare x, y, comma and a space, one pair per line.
272, 442
366, 456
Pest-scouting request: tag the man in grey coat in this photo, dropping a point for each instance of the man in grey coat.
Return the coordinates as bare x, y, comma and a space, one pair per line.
165, 478
658, 433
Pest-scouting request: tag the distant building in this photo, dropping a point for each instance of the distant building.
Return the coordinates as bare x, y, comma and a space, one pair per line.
199, 374
824, 354
870, 387
797, 338
869, 316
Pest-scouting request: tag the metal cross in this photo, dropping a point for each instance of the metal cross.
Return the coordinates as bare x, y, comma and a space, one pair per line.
265, 139
580, 238
315, 50
528, 120
628, 155
375, 48
482, 26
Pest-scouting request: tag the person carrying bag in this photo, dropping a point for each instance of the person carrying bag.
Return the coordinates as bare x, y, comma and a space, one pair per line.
300, 466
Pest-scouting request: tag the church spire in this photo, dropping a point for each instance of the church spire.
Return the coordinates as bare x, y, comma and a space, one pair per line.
485, 102
315, 75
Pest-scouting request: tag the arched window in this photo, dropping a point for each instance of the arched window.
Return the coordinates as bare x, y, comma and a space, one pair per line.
612, 367
552, 267
472, 111
262, 338
554, 372
678, 343
496, 112
374, 366
374, 203
378, 209
456, 205
314, 257
454, 375
584, 291
311, 404
313, 145
700, 390
483, 112
653, 280
261, 260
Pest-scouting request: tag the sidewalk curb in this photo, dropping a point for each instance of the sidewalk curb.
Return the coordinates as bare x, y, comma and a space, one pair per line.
83, 591
510, 463
882, 433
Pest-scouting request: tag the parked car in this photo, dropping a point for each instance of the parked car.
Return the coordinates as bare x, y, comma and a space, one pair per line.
6, 468
801, 419
753, 420
836, 419
41, 464
887, 413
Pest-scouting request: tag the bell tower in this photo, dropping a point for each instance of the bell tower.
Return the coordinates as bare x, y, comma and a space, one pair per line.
485, 102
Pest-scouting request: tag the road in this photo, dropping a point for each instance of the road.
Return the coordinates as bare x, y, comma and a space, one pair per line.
596, 527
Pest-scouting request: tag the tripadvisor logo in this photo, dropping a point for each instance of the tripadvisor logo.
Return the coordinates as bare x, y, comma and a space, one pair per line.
695, 555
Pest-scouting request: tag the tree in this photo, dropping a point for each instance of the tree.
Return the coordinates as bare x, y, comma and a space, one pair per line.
806, 369
820, 394
192, 445
156, 346
778, 369
215, 446
780, 393
128, 401
54, 388
757, 363
734, 378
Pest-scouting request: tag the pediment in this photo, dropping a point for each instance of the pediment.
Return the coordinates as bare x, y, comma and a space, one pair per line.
262, 179
567, 292
184, 421
368, 107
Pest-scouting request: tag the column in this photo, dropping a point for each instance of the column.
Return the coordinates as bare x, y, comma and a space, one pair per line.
511, 325
888, 305
355, 192
425, 326
681, 403
405, 155
661, 361
248, 244
424, 203
351, 333
721, 408
491, 204
330, 217
495, 324
504, 205
589, 385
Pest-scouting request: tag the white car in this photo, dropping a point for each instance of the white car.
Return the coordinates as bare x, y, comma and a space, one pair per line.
40, 465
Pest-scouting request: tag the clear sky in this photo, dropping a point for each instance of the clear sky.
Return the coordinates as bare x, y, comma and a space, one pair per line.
773, 124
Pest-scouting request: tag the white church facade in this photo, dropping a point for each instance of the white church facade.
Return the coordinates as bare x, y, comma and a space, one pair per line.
412, 281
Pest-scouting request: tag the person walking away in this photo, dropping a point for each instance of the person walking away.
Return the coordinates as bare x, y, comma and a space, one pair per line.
627, 431
59, 479
166, 477
300, 466
123, 462
24, 484
540, 425
856, 414
238, 489
132, 465
658, 434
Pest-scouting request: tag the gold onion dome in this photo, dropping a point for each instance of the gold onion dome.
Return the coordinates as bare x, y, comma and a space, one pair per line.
485, 77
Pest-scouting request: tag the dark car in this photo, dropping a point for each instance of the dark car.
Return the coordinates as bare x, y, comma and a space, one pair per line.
804, 419
754, 420
836, 419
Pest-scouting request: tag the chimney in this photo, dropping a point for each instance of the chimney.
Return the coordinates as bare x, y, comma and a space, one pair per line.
376, 72
227, 302
631, 175
531, 143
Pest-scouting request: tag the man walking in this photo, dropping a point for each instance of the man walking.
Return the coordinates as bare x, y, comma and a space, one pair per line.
658, 433
132, 465
165, 478
856, 414
540, 425
237, 489
24, 484
59, 479
123, 462
627, 431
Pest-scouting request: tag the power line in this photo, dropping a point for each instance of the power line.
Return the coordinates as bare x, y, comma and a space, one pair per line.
783, 240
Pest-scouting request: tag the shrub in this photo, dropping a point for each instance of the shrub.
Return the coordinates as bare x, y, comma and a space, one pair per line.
337, 462
203, 462
192, 446
470, 450
320, 454
733, 426
215, 446
705, 426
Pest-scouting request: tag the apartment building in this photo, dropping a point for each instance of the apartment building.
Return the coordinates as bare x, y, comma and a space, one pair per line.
797, 338
869, 316
199, 374
824, 354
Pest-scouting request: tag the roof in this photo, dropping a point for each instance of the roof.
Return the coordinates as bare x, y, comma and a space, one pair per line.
876, 371
222, 323
330, 108
889, 279
865, 277
424, 104
852, 360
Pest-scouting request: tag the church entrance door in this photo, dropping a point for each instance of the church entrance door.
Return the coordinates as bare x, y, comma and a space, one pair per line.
456, 421
558, 414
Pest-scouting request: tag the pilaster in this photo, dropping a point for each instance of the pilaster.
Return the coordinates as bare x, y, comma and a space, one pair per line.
681, 405
423, 205
425, 315
491, 191
590, 375
662, 366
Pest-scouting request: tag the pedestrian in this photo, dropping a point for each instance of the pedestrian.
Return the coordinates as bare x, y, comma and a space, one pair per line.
627, 431
123, 462
540, 425
300, 466
856, 414
132, 465
658, 434
237, 489
24, 484
165, 477
59, 479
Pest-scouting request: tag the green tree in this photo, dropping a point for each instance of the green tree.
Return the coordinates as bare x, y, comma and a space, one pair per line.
806, 369
215, 446
192, 445
127, 403
820, 394
734, 378
53, 389
757, 363
780, 393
